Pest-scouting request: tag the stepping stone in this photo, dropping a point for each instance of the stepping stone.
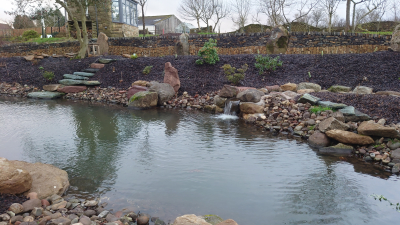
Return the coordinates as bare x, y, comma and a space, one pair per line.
91, 82
96, 65
353, 115
69, 82
84, 74
90, 70
307, 98
332, 105
45, 95
75, 77
107, 61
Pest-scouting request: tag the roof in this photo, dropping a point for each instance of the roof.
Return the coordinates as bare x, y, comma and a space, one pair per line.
152, 20
4, 26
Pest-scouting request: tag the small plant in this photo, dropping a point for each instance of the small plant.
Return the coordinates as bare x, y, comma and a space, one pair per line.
134, 56
41, 68
30, 34
235, 75
176, 56
318, 109
311, 127
309, 74
208, 53
266, 62
322, 53
381, 197
48, 75
147, 70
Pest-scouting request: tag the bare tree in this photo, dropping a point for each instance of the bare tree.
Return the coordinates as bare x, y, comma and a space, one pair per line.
221, 11
242, 10
330, 10
209, 7
317, 16
142, 4
272, 9
257, 19
192, 10
370, 5
395, 8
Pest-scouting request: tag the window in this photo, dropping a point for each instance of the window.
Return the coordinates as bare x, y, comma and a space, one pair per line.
126, 8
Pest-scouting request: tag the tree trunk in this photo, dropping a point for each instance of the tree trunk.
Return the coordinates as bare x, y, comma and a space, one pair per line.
330, 23
144, 25
84, 40
198, 25
353, 25
348, 5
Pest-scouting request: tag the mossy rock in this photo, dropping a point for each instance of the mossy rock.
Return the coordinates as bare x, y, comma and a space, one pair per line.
213, 219
339, 88
143, 99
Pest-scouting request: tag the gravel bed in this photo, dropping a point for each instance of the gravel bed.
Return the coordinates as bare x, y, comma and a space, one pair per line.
6, 200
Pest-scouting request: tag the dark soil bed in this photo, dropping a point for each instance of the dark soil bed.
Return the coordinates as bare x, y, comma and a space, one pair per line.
6, 201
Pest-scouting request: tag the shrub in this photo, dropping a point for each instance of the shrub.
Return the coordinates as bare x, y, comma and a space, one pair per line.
266, 63
48, 75
30, 34
208, 53
147, 70
318, 109
235, 75
134, 56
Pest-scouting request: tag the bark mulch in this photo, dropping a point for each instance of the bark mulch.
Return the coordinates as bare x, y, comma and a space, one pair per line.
6, 200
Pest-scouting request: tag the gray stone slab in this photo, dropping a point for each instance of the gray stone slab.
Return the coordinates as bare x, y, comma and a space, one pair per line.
45, 95
75, 77
84, 74
307, 98
332, 105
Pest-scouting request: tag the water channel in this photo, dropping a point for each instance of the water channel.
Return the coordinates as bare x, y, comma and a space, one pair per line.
172, 162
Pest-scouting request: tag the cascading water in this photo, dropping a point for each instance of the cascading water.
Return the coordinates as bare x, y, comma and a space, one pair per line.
231, 107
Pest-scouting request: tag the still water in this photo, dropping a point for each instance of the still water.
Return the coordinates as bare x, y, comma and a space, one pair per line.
173, 162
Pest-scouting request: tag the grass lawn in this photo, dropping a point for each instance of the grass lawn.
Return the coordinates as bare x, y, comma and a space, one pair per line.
381, 33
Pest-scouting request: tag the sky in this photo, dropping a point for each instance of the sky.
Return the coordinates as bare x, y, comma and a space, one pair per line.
166, 7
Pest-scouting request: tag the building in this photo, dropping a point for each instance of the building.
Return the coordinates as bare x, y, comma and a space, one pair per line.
160, 24
4, 26
115, 18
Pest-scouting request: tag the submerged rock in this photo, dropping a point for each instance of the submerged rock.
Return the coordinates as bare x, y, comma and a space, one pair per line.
337, 149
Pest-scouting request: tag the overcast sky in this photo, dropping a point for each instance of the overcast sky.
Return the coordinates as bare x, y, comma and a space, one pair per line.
166, 7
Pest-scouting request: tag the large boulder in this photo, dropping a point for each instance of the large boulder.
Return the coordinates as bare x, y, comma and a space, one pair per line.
13, 180
228, 222
347, 137
362, 90
250, 108
228, 91
395, 42
47, 180
371, 128
289, 87
102, 41
165, 91
190, 219
171, 76
278, 41
135, 89
332, 124
250, 95
143, 100
219, 101
339, 88
307, 85
318, 139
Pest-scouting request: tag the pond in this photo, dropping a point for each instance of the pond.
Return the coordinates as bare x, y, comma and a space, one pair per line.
172, 162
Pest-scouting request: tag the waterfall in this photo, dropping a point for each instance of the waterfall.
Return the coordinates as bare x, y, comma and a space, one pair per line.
231, 107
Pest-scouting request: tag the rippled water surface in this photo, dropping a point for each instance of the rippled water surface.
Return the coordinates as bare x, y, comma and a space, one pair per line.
169, 163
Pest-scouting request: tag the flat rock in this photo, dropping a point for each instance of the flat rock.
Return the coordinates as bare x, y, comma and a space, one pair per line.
45, 95
144, 99
91, 82
289, 87
337, 149
349, 137
13, 179
251, 108
96, 65
305, 91
339, 88
371, 128
51, 87
106, 61
307, 98
332, 105
332, 124
362, 90
190, 219
250, 95
395, 154
69, 82
142, 83
75, 77
353, 115
72, 89
29, 57
389, 93
307, 85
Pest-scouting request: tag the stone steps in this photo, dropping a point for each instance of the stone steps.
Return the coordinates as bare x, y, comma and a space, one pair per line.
70, 82
84, 74
75, 77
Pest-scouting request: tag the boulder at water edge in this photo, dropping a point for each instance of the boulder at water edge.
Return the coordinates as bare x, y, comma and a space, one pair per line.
190, 219
51, 87
339, 149
228, 91
219, 101
395, 42
135, 89
143, 100
165, 91
47, 180
318, 139
371, 128
13, 180
228, 222
349, 137
250, 108
250, 95
45, 95
332, 124
171, 76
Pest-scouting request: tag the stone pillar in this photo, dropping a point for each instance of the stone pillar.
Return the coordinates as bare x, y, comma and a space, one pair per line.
182, 47
278, 41
395, 42
102, 40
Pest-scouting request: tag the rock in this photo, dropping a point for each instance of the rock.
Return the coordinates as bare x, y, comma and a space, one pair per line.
51, 87
219, 101
142, 83
393, 145
353, 115
111, 218
395, 41
250, 108
210, 108
29, 58
289, 87
332, 105
37, 211
274, 88
389, 93
306, 85
106, 61
91, 82
190, 219
337, 149
126, 56
278, 41
103, 214
96, 65
339, 88
318, 139
32, 195
60, 221
85, 220
371, 128
338, 115
91, 203
31, 204
142, 220
165, 91
72, 89
16, 208
289, 95
228, 91
305, 91
135, 89
182, 46
332, 124
45, 95
159, 222
307, 98
28, 219
362, 90
54, 199
84, 74
13, 179
102, 41
213, 219
250, 95
75, 77
70, 82
17, 218
396, 168
349, 137
171, 76
5, 217
395, 154
143, 100
46, 179
60, 205
28, 223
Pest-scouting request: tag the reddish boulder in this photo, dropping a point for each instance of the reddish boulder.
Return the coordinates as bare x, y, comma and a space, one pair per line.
171, 76
228, 91
45, 203
72, 89
96, 65
135, 89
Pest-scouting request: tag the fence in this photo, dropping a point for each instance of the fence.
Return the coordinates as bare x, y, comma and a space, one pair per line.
19, 32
